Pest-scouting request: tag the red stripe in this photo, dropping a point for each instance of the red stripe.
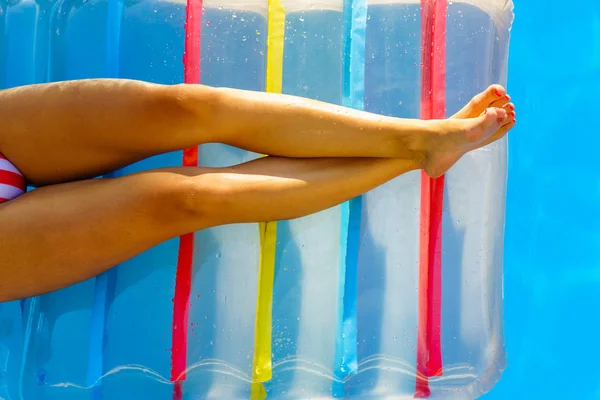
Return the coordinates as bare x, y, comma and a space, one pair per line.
433, 99
2, 199
12, 179
183, 280
2, 157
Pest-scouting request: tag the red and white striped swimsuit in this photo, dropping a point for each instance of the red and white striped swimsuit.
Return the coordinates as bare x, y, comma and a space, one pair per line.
12, 183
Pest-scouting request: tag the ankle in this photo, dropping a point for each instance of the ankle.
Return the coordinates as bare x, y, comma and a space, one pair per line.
417, 140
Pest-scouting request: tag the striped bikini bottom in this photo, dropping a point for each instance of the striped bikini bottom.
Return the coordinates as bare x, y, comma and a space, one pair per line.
12, 182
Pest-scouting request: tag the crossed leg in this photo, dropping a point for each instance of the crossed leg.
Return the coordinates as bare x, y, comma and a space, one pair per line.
65, 233
74, 130
62, 234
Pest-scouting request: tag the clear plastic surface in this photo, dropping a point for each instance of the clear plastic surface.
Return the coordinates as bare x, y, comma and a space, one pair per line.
73, 344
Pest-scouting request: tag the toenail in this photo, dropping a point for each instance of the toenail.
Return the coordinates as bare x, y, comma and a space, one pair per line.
508, 97
498, 93
511, 106
512, 114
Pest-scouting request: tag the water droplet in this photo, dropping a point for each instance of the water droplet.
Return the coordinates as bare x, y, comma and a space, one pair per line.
301, 19
219, 255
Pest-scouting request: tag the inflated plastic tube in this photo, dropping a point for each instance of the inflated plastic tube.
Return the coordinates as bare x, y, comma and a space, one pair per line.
185, 261
262, 365
433, 106
346, 362
227, 258
25, 28
48, 346
104, 288
304, 316
389, 246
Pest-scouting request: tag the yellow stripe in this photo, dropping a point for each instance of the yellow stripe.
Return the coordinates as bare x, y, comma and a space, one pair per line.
261, 365
275, 38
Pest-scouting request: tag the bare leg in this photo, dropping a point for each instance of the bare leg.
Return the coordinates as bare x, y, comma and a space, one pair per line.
74, 130
59, 235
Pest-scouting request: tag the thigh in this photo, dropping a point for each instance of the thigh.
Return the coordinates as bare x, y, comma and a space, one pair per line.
59, 235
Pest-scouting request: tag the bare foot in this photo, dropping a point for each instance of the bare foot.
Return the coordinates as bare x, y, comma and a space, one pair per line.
493, 96
485, 119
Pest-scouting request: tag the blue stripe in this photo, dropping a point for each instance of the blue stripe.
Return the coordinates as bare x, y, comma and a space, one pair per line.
105, 283
346, 359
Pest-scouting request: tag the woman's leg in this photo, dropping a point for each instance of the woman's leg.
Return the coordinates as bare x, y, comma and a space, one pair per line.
74, 130
59, 235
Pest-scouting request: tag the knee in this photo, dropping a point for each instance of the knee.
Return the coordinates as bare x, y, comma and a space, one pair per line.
198, 202
192, 108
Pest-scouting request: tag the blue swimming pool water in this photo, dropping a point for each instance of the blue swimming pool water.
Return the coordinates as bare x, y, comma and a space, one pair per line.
552, 263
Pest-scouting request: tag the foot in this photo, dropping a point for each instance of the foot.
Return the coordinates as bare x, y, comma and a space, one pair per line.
485, 119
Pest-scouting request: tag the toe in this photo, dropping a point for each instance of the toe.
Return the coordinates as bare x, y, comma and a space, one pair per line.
511, 116
495, 115
501, 102
486, 124
494, 92
509, 107
510, 113
485, 99
500, 133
